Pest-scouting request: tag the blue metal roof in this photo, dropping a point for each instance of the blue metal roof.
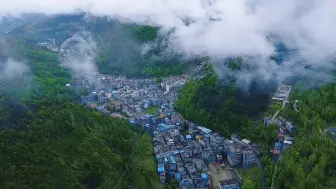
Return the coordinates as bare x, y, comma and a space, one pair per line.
277, 144
204, 176
332, 129
162, 127
161, 168
188, 136
178, 175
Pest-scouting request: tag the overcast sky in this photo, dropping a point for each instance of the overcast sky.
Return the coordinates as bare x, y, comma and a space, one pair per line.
241, 29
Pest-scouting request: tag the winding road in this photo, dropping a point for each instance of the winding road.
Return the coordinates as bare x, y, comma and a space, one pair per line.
277, 112
275, 169
295, 108
263, 178
274, 116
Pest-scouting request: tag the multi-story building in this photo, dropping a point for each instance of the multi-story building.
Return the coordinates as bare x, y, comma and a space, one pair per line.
248, 158
234, 154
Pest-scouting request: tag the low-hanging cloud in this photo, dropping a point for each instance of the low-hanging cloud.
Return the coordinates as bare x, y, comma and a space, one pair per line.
12, 69
78, 54
222, 28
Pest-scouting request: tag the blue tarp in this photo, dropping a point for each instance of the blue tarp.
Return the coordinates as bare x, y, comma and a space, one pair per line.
178, 176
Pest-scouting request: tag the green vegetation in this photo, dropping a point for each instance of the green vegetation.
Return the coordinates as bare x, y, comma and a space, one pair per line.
234, 64
311, 161
65, 145
152, 110
251, 177
120, 46
219, 106
308, 163
121, 53
223, 107
49, 141
146, 33
248, 184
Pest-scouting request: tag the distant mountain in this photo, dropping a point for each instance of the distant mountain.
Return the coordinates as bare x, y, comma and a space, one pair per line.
126, 49
8, 23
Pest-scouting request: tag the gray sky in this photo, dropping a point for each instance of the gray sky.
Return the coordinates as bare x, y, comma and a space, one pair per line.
308, 25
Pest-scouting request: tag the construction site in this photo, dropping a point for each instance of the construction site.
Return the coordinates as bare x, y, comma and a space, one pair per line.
227, 178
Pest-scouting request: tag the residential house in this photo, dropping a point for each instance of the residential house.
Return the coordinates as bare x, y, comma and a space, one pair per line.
200, 165
187, 184
234, 154
248, 158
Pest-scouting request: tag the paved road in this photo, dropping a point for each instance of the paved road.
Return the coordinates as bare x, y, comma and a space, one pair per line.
276, 167
295, 108
277, 112
263, 178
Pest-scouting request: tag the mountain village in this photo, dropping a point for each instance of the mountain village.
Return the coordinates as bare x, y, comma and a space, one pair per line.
190, 155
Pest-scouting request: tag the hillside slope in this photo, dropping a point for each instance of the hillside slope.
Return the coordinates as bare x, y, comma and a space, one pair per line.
125, 49
310, 162
49, 141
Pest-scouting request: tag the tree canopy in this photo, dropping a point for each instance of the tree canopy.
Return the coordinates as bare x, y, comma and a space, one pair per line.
311, 161
47, 140
219, 105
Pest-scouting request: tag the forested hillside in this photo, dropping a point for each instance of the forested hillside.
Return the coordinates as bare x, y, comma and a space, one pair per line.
64, 145
125, 49
48, 141
220, 105
311, 161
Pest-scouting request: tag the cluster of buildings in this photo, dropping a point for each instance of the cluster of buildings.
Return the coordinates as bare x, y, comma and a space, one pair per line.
50, 44
282, 93
194, 157
190, 155
130, 96
197, 157
285, 134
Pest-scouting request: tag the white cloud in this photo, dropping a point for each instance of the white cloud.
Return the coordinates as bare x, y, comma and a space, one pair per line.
308, 25
12, 69
78, 53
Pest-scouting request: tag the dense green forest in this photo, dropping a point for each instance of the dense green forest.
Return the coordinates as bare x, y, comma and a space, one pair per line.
47, 140
220, 105
311, 161
122, 53
64, 145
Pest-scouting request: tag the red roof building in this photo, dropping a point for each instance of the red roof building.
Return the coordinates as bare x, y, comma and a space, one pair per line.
277, 152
